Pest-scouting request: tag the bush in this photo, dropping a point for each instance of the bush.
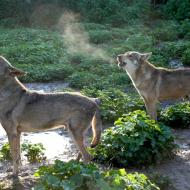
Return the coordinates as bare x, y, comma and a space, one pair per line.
185, 28
135, 140
166, 31
34, 152
30, 46
140, 42
91, 74
45, 73
82, 79
177, 9
40, 53
115, 102
186, 57
78, 176
46, 13
174, 50
5, 153
177, 116
100, 36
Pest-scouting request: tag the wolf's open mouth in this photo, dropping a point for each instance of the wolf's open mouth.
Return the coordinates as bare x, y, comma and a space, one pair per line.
121, 64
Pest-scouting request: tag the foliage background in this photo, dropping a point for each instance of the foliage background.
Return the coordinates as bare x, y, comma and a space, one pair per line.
32, 39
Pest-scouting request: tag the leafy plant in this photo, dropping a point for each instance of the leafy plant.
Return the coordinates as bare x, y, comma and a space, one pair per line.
115, 102
81, 79
5, 153
78, 176
177, 116
34, 152
166, 31
176, 49
185, 28
178, 9
134, 140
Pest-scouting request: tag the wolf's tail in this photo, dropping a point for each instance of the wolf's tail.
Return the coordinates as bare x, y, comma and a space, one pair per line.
96, 128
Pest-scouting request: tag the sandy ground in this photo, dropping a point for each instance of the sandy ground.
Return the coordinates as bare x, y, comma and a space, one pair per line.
59, 145
177, 169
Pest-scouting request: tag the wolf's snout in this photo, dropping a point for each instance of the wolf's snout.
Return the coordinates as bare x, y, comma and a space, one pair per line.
119, 58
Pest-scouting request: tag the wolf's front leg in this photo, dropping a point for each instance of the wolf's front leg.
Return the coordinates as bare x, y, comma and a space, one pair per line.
151, 108
14, 141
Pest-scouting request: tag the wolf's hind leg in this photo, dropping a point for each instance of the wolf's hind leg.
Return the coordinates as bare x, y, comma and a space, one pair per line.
78, 127
79, 139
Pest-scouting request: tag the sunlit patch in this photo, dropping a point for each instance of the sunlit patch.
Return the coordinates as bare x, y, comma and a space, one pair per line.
54, 143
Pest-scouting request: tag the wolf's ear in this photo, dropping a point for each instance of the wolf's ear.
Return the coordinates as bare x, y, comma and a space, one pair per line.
14, 72
145, 56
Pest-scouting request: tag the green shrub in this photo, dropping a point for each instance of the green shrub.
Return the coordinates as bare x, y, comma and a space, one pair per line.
9, 22
78, 176
5, 153
178, 9
185, 28
186, 57
177, 49
38, 52
100, 36
140, 42
115, 102
45, 73
177, 116
166, 31
34, 152
135, 140
30, 46
82, 79
99, 11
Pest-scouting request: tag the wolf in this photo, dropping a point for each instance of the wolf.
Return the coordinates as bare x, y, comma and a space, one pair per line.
154, 84
22, 110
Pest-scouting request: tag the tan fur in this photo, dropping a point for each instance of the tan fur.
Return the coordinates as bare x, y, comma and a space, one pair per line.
154, 84
22, 110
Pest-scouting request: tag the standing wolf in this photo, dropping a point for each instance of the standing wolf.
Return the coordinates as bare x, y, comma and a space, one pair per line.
154, 84
22, 110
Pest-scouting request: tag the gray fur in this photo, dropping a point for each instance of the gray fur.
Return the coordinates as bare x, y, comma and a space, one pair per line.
22, 110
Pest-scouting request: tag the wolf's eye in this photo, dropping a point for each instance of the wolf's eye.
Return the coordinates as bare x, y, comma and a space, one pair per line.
130, 56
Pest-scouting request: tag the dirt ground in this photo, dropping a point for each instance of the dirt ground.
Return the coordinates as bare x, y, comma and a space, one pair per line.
59, 145
177, 169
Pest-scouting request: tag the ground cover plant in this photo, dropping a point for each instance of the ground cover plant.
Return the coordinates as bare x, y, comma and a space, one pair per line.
33, 152
135, 140
77, 176
44, 54
115, 102
32, 39
177, 115
5, 153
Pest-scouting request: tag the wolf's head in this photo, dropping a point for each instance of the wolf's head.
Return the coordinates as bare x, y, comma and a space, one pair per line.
7, 70
131, 60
